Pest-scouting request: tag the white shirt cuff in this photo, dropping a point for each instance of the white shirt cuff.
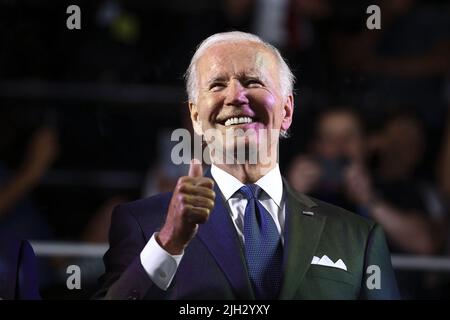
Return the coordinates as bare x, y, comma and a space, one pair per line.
160, 265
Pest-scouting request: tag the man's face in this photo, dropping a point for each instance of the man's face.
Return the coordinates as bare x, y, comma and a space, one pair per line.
240, 81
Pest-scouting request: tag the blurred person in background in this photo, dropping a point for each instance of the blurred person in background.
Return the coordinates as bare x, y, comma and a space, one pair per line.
19, 216
388, 191
406, 200
338, 144
409, 209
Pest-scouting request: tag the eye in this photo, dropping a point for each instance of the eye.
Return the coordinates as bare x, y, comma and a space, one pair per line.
216, 86
253, 83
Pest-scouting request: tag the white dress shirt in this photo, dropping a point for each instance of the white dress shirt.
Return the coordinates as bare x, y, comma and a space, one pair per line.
162, 266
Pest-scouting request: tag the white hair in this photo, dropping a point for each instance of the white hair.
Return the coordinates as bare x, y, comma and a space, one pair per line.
286, 77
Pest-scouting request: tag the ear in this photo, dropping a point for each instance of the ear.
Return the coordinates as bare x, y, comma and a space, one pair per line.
196, 123
288, 112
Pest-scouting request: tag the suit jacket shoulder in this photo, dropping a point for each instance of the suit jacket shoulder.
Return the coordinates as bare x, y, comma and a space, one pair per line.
149, 213
344, 217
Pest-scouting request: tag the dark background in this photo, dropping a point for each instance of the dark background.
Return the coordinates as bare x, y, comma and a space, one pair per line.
109, 89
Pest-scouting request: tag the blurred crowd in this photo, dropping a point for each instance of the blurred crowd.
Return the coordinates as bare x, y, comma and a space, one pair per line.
371, 130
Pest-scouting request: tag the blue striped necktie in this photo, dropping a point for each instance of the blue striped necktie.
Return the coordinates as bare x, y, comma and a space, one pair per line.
263, 248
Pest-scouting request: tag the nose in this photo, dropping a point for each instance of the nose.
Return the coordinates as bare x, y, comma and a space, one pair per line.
236, 94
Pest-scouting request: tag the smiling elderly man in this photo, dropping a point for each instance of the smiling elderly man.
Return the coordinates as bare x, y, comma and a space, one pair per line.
240, 231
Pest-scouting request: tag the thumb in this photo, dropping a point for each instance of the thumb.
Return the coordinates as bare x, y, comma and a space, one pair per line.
195, 168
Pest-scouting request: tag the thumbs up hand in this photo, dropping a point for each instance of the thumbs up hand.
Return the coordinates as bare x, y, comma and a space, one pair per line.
195, 169
191, 204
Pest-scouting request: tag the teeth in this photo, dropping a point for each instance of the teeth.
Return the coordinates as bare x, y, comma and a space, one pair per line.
239, 120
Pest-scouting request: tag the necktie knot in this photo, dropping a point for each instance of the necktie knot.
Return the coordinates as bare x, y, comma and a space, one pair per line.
250, 191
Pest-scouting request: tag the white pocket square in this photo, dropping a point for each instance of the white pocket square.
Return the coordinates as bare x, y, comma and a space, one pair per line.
325, 261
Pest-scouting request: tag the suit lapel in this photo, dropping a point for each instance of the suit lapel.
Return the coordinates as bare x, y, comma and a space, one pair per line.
302, 234
220, 237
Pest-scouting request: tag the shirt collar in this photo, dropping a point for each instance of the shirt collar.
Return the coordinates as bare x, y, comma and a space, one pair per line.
271, 183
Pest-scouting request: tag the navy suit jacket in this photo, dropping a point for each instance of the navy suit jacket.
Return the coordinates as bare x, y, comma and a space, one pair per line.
213, 265
18, 274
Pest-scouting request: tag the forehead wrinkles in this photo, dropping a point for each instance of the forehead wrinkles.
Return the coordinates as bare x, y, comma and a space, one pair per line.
234, 60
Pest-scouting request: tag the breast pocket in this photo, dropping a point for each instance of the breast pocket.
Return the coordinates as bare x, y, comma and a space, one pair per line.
333, 274
326, 283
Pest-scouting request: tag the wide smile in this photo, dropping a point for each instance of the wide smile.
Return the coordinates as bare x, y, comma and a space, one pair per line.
237, 121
